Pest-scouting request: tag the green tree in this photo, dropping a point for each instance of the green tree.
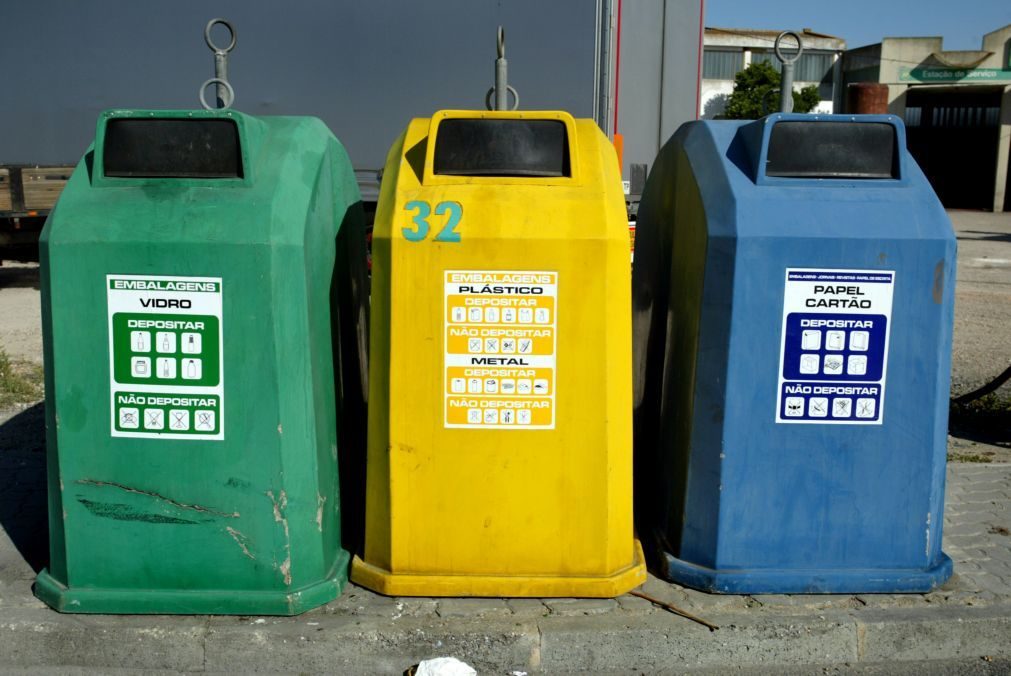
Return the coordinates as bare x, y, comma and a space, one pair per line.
756, 93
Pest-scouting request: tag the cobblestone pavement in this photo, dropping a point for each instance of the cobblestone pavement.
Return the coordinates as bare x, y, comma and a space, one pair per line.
363, 631
977, 531
977, 537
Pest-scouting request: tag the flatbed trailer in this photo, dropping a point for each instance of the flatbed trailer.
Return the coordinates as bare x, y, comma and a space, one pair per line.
27, 195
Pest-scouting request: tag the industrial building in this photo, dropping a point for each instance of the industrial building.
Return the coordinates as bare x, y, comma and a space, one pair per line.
727, 51
957, 110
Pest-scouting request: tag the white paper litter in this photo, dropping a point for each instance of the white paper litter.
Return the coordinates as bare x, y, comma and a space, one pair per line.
444, 666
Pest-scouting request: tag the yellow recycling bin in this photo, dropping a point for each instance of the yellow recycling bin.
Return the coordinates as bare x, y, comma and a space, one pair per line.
500, 432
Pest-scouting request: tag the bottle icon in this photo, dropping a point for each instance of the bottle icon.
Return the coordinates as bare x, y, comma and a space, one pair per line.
191, 369
166, 346
190, 343
166, 372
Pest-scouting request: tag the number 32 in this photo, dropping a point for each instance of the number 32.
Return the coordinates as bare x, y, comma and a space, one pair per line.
420, 220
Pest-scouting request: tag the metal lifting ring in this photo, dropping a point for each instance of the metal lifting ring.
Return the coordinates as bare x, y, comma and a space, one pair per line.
779, 53
210, 43
510, 89
501, 42
220, 82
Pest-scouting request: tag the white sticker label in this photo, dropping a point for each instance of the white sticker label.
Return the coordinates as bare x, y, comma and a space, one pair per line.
165, 357
834, 352
501, 338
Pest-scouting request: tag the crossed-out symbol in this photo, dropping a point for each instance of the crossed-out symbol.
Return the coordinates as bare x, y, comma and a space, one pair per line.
153, 418
128, 418
204, 420
866, 407
179, 418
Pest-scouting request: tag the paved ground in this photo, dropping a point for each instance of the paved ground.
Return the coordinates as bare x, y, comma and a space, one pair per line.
20, 315
966, 624
964, 628
982, 341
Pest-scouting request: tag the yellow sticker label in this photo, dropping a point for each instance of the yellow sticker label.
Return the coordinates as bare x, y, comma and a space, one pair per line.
501, 338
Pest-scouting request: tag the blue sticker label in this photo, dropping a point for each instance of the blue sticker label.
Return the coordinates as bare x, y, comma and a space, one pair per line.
834, 352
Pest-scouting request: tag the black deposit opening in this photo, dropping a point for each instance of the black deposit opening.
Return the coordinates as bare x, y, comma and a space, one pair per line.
172, 148
482, 147
832, 150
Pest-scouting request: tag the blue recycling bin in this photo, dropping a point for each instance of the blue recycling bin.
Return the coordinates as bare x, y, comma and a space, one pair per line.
793, 307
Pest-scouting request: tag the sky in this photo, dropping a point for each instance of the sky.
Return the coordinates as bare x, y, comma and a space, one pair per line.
863, 22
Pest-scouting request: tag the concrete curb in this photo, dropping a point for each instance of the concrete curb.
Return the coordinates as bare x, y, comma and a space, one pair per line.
660, 642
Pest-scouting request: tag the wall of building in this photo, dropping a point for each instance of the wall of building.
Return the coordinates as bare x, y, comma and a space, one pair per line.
1002, 182
659, 74
890, 61
753, 45
998, 42
714, 98
716, 92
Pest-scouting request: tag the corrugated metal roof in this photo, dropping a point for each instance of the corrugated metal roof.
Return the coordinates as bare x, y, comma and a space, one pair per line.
763, 33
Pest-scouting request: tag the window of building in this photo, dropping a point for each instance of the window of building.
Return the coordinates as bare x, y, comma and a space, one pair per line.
721, 64
811, 67
914, 115
766, 57
965, 116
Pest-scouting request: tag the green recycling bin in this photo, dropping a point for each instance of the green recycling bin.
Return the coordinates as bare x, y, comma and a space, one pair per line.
203, 283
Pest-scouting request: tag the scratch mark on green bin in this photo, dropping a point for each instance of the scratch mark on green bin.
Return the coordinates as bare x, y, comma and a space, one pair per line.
240, 540
156, 496
124, 512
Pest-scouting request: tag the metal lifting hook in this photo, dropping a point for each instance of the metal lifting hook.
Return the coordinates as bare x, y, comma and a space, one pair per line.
501, 90
786, 82
225, 94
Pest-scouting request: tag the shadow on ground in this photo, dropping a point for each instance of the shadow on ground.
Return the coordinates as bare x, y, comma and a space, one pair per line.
986, 420
986, 236
23, 497
19, 276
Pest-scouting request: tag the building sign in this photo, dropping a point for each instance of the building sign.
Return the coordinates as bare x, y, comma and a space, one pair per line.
954, 75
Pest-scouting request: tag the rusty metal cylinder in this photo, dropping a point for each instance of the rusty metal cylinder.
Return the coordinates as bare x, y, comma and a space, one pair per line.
868, 98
